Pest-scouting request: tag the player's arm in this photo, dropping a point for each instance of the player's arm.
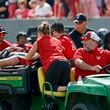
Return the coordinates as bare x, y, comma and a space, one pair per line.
32, 52
84, 66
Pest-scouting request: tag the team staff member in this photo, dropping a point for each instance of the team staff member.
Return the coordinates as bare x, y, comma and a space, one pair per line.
15, 54
90, 59
20, 46
58, 32
56, 66
106, 41
80, 28
3, 43
21, 39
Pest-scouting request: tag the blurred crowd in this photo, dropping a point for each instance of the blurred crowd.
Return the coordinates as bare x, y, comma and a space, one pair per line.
34, 9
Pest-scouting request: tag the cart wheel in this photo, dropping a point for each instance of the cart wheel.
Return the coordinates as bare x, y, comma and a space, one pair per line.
50, 106
1, 108
44, 107
5, 106
84, 106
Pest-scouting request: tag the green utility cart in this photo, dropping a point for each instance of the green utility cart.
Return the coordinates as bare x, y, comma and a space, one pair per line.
14, 88
92, 93
16, 92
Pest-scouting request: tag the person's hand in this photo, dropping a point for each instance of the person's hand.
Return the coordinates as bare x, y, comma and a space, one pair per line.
18, 49
10, 49
96, 68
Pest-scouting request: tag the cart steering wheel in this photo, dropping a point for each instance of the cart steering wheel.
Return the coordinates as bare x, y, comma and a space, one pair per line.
106, 68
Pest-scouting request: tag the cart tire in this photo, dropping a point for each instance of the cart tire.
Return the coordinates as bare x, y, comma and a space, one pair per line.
1, 107
50, 106
5, 106
84, 106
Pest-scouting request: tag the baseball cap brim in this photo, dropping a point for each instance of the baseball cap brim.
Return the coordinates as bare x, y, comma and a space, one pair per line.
85, 38
76, 21
4, 32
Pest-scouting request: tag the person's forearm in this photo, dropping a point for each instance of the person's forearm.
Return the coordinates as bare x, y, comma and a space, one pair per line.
36, 56
2, 9
30, 55
82, 65
31, 52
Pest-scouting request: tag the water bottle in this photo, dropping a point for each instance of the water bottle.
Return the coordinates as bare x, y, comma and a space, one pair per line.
80, 81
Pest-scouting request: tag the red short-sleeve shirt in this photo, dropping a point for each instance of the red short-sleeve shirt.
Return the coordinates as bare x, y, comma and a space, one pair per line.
97, 57
4, 45
50, 50
68, 45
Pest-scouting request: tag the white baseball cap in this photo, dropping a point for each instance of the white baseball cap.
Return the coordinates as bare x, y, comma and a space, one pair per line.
90, 35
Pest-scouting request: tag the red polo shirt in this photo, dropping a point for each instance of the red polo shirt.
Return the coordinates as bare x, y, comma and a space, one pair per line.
50, 50
68, 45
4, 45
97, 57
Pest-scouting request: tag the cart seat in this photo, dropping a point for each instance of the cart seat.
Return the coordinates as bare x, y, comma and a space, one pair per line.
72, 74
41, 80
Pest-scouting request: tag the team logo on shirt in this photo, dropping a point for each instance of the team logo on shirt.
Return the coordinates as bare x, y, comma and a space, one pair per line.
98, 57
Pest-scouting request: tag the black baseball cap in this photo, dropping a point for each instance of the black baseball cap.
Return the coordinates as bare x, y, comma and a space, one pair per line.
2, 30
80, 17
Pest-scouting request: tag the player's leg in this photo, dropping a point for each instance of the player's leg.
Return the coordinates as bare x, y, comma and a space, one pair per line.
13, 60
